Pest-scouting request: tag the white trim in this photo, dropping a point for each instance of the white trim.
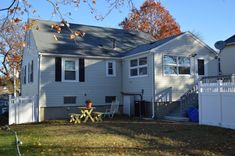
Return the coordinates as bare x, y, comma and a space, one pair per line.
78, 56
113, 68
76, 69
137, 67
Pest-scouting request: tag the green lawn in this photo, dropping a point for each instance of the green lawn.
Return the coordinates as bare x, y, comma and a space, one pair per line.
7, 143
119, 138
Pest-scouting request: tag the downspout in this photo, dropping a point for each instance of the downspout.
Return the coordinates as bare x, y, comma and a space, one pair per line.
39, 76
153, 86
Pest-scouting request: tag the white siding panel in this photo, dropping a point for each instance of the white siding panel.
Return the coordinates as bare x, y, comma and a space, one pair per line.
30, 53
183, 46
95, 87
227, 60
135, 85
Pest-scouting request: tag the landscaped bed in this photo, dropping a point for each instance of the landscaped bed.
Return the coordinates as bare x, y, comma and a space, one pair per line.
119, 137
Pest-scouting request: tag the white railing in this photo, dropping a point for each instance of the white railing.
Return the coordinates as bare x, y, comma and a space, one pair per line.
23, 110
164, 96
220, 86
217, 104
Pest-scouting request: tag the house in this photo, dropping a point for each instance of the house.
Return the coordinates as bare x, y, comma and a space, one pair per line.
108, 64
227, 57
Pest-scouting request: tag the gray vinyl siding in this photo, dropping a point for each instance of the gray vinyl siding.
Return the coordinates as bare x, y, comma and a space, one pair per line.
30, 53
184, 45
228, 60
136, 84
95, 87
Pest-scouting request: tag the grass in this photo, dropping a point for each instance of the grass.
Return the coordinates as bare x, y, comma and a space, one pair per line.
7, 143
119, 137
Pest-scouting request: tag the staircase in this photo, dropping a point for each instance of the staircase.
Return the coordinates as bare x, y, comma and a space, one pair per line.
187, 100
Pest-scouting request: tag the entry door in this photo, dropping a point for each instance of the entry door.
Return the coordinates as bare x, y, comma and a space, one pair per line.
127, 105
201, 70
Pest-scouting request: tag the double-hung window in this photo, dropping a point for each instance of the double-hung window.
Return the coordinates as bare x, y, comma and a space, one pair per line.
176, 65
111, 68
70, 68
138, 67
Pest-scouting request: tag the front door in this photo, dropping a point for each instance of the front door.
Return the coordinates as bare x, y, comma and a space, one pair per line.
200, 68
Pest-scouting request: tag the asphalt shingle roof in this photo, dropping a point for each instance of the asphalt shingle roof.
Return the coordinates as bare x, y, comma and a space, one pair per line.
148, 46
98, 41
230, 40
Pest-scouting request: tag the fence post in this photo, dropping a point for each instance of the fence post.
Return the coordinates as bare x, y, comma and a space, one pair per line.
233, 78
33, 109
220, 90
200, 101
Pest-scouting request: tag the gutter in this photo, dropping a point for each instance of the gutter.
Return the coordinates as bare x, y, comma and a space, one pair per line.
80, 56
39, 76
229, 44
153, 86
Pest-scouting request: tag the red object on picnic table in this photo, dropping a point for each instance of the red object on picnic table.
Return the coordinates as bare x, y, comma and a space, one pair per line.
88, 104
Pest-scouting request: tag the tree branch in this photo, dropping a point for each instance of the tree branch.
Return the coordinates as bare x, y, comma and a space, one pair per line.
4, 9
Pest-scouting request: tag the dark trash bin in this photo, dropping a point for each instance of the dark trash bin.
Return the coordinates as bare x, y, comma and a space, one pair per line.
141, 108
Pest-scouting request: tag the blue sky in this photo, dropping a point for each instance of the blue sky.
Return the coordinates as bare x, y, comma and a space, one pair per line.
213, 20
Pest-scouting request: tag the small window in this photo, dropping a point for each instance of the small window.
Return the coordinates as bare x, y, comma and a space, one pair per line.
25, 74
143, 61
170, 59
134, 63
110, 68
201, 67
139, 67
185, 61
29, 71
70, 67
134, 72
31, 74
70, 100
110, 99
170, 70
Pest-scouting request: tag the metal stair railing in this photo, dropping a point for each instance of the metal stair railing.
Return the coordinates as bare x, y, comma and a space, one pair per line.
188, 99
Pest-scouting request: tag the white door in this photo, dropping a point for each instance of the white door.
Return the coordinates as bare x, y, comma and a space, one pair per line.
127, 105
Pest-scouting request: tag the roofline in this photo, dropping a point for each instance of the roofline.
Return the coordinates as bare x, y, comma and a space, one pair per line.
231, 43
150, 50
134, 55
201, 42
166, 43
71, 55
193, 36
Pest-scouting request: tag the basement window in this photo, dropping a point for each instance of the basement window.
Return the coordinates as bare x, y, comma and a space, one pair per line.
110, 99
70, 99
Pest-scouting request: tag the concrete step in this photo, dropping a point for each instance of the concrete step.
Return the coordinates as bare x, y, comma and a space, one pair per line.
176, 118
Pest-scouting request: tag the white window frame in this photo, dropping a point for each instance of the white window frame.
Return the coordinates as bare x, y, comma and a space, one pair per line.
177, 65
76, 69
138, 67
113, 67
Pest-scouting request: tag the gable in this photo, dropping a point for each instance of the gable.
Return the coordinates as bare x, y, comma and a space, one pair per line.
185, 44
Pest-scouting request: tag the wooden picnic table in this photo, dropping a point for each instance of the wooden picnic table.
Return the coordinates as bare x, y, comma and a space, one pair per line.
86, 114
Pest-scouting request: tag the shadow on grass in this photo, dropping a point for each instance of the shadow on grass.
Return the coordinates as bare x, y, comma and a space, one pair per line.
150, 138
188, 139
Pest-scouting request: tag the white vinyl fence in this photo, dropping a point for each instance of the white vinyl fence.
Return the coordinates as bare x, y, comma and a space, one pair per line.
23, 110
217, 104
